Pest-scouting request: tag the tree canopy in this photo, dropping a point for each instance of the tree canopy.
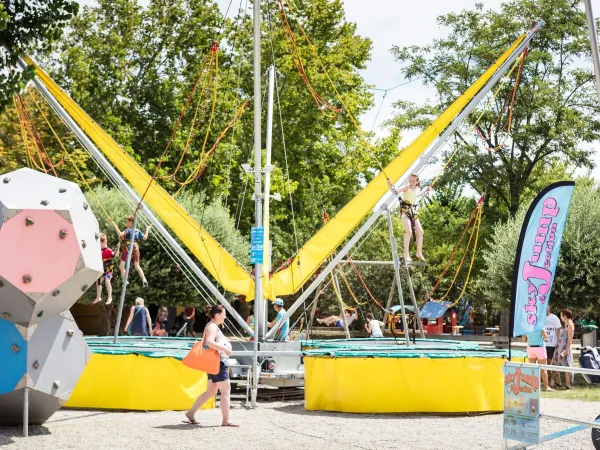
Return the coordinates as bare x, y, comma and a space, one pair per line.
555, 112
27, 25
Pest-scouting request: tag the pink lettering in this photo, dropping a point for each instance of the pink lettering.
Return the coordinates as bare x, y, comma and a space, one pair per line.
550, 208
531, 319
533, 272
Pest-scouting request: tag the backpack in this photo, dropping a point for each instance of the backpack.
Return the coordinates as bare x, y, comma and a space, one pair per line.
590, 359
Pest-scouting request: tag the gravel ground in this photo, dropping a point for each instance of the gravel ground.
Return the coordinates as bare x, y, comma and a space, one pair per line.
286, 426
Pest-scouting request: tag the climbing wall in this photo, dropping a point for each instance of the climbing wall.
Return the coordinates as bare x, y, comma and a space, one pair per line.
49, 257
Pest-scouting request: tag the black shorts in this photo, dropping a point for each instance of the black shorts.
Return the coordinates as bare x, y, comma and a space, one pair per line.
222, 375
550, 353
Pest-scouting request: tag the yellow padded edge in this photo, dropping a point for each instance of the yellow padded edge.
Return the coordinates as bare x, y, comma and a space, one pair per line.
137, 382
322, 244
221, 265
401, 385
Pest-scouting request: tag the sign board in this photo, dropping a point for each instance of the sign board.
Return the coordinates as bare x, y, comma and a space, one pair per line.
522, 404
257, 245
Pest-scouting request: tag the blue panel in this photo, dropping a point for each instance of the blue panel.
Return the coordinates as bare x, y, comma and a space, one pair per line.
14, 361
433, 310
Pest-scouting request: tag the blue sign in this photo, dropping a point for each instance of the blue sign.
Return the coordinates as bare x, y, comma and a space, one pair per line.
257, 245
256, 256
522, 404
536, 258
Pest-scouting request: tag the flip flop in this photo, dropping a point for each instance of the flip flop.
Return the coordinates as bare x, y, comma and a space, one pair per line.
232, 425
191, 421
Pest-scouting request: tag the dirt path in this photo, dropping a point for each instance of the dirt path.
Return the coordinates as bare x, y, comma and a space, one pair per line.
285, 426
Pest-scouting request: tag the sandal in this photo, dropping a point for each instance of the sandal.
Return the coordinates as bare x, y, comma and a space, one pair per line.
232, 425
191, 421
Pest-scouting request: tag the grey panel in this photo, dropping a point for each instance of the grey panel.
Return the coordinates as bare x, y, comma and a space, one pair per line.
58, 348
41, 407
15, 306
27, 188
67, 294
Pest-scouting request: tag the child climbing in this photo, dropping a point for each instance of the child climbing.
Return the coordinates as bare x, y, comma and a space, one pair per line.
108, 255
409, 215
337, 320
126, 237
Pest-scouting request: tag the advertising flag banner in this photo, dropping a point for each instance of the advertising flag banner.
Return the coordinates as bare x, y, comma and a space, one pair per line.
536, 258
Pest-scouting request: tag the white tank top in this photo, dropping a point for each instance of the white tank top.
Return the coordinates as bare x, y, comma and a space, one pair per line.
375, 328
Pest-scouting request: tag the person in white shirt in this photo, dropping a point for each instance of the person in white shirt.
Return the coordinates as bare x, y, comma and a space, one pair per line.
552, 329
373, 326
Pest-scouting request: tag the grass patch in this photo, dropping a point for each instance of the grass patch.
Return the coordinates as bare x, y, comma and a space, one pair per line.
580, 391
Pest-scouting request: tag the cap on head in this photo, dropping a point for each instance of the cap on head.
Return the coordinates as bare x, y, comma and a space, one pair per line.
278, 302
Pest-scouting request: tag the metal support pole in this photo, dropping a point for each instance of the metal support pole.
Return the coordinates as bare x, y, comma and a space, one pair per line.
25, 412
388, 305
343, 312
449, 131
267, 196
417, 315
313, 311
258, 275
125, 282
593, 42
158, 226
397, 276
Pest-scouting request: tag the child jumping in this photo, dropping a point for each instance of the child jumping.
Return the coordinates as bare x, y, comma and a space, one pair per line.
108, 255
409, 215
126, 237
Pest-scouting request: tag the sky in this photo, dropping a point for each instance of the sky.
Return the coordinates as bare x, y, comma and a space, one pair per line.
402, 23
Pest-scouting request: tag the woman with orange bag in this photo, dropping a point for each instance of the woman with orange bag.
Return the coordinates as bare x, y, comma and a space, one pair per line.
215, 339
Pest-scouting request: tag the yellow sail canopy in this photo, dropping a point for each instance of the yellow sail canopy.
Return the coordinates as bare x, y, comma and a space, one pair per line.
221, 265
321, 245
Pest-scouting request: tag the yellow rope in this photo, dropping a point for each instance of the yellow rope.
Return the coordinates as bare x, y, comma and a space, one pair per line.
352, 294
338, 95
474, 251
68, 156
494, 95
31, 158
23, 136
203, 156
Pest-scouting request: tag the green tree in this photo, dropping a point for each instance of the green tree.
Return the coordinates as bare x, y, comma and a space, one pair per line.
25, 26
132, 67
577, 277
556, 109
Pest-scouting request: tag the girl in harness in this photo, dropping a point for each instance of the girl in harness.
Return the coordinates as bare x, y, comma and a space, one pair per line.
108, 255
125, 237
409, 215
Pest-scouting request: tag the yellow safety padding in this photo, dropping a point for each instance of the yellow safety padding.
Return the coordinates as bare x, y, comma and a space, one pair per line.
401, 385
221, 265
321, 245
138, 382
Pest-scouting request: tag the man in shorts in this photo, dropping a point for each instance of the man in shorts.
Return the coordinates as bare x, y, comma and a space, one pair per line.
552, 329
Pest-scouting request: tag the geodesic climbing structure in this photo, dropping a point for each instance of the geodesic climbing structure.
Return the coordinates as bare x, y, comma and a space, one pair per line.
49, 257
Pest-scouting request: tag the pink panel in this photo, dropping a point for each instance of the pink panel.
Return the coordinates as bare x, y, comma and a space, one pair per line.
38, 251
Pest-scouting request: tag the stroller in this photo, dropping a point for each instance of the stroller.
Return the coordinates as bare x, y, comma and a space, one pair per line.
590, 359
180, 326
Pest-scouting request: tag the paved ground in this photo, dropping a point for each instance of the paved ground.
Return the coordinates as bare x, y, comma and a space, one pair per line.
285, 426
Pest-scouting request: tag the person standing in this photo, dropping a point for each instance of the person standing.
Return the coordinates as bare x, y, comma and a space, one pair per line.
282, 333
552, 329
139, 322
536, 351
562, 354
215, 339
190, 315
